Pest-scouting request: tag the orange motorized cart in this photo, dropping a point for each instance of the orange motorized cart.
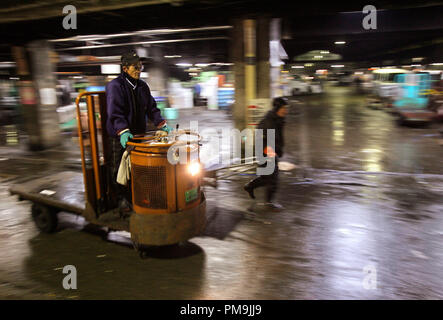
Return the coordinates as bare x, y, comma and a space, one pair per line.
167, 199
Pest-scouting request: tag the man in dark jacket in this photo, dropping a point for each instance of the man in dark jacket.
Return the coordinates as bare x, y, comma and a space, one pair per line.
274, 119
129, 106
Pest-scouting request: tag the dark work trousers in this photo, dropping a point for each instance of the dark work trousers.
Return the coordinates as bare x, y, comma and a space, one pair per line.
269, 181
116, 153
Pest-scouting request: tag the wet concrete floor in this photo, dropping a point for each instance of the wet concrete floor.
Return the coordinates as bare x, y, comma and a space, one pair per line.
362, 221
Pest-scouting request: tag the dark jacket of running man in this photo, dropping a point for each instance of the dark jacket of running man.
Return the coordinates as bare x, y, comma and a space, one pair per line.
276, 122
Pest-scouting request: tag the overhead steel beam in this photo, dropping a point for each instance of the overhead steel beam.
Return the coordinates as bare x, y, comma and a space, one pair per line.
49, 9
140, 33
141, 43
350, 23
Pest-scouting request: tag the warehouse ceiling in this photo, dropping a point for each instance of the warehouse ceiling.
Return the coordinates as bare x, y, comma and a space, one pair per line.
405, 29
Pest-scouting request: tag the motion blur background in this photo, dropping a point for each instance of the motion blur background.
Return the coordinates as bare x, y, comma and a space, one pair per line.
364, 131
195, 53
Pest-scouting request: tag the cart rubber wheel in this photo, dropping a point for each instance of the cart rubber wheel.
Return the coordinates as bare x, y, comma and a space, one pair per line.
140, 250
45, 218
401, 121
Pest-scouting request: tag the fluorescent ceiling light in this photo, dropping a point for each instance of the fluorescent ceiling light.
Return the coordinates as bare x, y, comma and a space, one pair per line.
340, 42
390, 70
7, 64
222, 64
298, 67
183, 64
108, 57
173, 56
337, 65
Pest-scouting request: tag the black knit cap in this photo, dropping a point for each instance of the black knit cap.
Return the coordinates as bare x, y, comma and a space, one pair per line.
279, 102
130, 58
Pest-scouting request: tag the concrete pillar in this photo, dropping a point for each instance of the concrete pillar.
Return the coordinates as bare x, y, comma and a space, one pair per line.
237, 57
157, 74
249, 50
37, 92
263, 64
275, 35
250, 59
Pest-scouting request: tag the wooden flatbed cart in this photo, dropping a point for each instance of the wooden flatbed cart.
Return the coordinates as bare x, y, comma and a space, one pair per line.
168, 202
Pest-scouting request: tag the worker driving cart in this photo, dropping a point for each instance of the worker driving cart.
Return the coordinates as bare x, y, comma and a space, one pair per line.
129, 106
163, 204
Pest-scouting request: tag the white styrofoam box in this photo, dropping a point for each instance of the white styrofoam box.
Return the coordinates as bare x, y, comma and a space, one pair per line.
188, 97
210, 91
316, 88
48, 96
180, 98
66, 113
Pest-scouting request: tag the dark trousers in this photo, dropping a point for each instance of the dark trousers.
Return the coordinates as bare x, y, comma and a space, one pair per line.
119, 191
269, 181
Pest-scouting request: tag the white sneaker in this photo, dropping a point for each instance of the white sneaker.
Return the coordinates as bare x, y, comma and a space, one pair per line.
274, 206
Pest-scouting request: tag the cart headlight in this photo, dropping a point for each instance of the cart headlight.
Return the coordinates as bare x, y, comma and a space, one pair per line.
194, 168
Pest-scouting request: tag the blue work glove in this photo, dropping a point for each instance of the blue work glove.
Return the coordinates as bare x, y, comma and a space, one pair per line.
124, 137
166, 128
